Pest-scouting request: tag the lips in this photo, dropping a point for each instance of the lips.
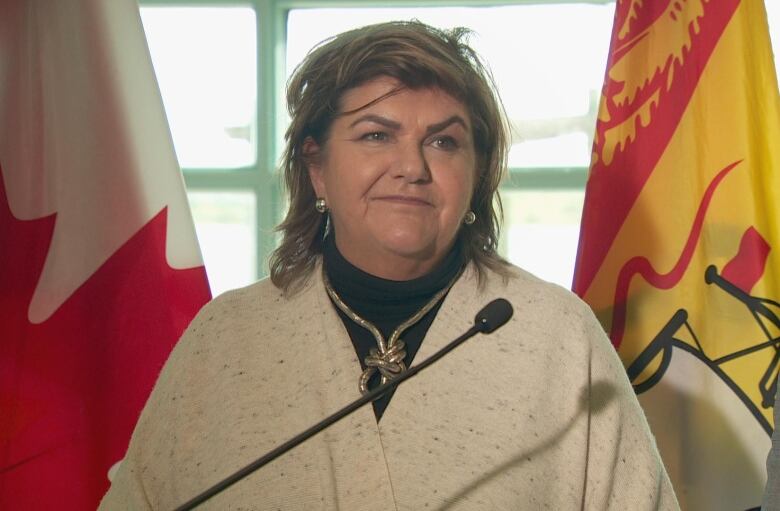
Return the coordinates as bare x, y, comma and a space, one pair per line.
405, 200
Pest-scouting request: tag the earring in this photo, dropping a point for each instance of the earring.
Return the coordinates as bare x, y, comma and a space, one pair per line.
469, 218
320, 205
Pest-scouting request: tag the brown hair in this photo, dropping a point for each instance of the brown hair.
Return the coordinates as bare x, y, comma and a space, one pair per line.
418, 56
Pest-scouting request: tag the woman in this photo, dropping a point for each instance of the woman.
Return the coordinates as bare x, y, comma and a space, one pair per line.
393, 160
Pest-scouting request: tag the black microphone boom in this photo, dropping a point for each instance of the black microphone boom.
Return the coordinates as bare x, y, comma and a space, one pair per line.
492, 316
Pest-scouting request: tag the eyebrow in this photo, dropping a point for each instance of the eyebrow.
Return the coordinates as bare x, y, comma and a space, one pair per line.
433, 128
378, 119
440, 126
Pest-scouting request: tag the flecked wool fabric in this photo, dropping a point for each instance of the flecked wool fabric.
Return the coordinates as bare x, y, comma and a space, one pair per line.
537, 415
771, 500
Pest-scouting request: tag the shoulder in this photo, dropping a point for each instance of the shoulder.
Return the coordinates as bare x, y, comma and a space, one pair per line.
255, 303
547, 318
532, 297
252, 298
564, 331
236, 320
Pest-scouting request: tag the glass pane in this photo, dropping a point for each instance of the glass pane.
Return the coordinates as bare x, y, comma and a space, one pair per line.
225, 223
205, 61
548, 62
541, 231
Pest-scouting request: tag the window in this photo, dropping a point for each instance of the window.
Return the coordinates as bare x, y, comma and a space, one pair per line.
222, 68
206, 62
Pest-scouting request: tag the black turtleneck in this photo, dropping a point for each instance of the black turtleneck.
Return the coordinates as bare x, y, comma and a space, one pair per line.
386, 304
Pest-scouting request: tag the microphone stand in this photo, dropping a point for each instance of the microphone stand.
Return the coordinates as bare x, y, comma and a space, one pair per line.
482, 324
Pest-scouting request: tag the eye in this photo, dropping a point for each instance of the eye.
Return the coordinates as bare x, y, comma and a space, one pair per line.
445, 142
375, 136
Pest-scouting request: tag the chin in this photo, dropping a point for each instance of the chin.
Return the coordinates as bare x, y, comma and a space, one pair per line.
409, 247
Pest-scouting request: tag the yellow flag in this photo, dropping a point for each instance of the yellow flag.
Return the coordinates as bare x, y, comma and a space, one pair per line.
679, 250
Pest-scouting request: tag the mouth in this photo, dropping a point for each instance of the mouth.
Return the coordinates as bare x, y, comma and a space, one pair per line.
404, 200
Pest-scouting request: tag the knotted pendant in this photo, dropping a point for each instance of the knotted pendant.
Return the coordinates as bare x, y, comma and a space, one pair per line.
389, 364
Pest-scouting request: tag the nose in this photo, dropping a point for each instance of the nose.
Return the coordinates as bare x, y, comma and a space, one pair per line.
411, 164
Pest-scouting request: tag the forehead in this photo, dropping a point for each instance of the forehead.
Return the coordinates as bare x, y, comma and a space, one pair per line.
387, 94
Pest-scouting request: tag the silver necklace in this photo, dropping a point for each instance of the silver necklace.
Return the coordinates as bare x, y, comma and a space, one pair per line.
387, 357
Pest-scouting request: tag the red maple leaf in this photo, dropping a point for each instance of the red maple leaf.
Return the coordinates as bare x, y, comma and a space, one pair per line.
72, 387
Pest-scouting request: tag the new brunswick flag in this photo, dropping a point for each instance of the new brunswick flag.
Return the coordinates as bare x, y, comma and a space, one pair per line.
99, 266
679, 250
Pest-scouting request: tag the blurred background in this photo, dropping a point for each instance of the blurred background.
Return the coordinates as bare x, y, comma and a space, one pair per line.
222, 68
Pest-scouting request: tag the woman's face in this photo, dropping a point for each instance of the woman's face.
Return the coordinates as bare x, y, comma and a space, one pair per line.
397, 176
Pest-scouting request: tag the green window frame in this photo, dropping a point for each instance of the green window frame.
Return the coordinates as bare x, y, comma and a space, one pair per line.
261, 179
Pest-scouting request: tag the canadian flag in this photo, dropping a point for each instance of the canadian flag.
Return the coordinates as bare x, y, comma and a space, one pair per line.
100, 270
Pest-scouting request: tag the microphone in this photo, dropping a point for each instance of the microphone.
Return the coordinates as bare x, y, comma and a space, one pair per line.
492, 316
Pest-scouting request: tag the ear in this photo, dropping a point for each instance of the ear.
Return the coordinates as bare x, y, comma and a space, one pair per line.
312, 156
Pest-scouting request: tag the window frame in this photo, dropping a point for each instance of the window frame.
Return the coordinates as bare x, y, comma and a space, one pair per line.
262, 179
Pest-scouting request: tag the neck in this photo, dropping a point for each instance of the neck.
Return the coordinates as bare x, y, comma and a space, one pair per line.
385, 302
390, 266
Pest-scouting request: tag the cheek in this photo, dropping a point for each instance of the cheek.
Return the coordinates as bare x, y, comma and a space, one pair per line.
456, 176
346, 193
458, 188
353, 188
